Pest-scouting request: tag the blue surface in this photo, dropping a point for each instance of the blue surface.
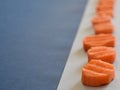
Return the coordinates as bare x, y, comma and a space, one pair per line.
35, 39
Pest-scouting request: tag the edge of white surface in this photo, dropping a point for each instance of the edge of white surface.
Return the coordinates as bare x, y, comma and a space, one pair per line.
71, 77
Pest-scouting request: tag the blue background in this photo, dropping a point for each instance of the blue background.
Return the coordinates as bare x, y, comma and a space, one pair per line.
35, 40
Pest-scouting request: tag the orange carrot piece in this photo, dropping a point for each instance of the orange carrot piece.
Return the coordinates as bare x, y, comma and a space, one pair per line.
106, 2
91, 78
99, 40
103, 64
104, 7
109, 13
100, 63
99, 69
101, 19
106, 28
103, 53
97, 73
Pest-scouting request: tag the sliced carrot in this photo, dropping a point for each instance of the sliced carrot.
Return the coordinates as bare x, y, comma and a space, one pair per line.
99, 40
103, 64
103, 53
107, 2
95, 74
101, 19
110, 3
104, 7
106, 12
100, 63
91, 78
99, 69
106, 28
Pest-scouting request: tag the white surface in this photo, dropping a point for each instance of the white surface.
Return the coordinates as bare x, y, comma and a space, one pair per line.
71, 78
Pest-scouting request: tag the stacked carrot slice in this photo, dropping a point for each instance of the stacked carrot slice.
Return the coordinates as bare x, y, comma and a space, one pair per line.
100, 47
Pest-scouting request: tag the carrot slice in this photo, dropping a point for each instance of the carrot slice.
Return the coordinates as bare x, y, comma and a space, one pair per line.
104, 7
101, 19
110, 3
94, 73
107, 2
103, 64
106, 28
103, 53
98, 69
91, 78
99, 40
106, 12
100, 63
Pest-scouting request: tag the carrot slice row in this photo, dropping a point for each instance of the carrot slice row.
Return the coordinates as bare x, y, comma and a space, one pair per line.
99, 70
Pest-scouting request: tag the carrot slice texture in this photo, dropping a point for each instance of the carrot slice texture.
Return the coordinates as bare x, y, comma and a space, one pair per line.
106, 2
106, 28
103, 64
101, 19
100, 63
91, 78
103, 53
104, 7
94, 73
99, 69
99, 40
109, 13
